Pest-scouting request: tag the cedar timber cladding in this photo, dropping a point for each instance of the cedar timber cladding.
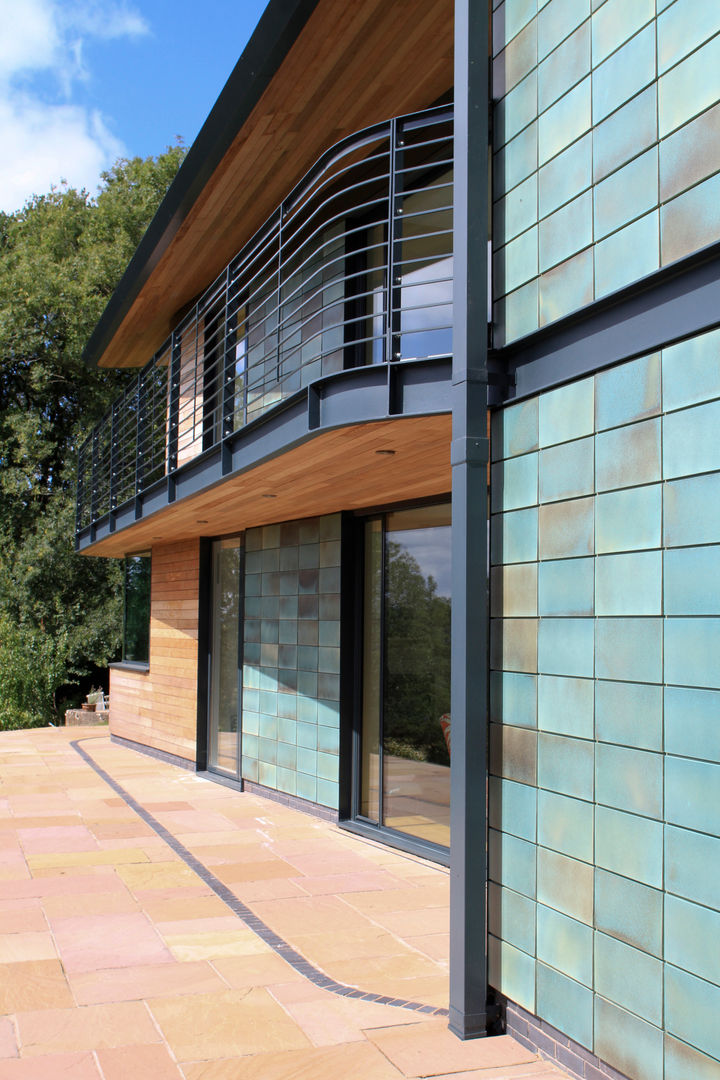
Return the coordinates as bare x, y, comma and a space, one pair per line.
159, 708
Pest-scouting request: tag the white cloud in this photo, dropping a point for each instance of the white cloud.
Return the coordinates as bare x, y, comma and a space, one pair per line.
45, 142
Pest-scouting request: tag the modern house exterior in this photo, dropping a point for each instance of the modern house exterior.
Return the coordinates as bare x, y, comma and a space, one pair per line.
418, 485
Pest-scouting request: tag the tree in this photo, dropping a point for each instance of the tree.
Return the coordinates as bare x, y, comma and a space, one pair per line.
61, 257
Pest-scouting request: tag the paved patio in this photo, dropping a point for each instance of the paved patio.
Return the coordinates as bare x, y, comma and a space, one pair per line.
118, 960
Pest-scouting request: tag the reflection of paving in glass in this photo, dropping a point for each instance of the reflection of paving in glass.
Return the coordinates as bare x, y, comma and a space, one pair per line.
417, 798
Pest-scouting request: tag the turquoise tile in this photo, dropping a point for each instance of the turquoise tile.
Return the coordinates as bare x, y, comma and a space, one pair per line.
513, 645
517, 313
615, 22
630, 714
516, 213
629, 845
328, 711
624, 74
690, 87
514, 483
307, 738
249, 745
690, 154
692, 581
565, 1004
566, 529
327, 793
513, 753
629, 519
286, 780
629, 911
511, 917
684, 26
327, 766
629, 978
513, 590
287, 729
691, 794
628, 255
691, 371
306, 787
567, 471
629, 584
626, 1042
328, 740
566, 288
566, 231
692, 511
516, 60
565, 647
286, 756
629, 779
682, 1061
625, 133
516, 161
691, 221
566, 765
306, 760
626, 194
566, 587
565, 825
512, 972
628, 456
692, 1007
516, 110
691, 651
564, 122
565, 706
628, 392
690, 443
509, 19
267, 725
564, 67
249, 768
513, 808
557, 19
566, 885
692, 722
692, 938
512, 862
267, 774
566, 413
267, 751
515, 429
565, 944
513, 698
566, 176
629, 649
692, 866
514, 536
516, 263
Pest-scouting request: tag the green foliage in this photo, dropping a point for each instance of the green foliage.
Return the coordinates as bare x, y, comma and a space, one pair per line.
61, 257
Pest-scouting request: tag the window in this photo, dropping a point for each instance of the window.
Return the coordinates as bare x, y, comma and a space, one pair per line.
136, 625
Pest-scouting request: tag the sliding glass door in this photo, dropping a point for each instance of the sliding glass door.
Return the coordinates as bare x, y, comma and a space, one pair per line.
403, 772
225, 657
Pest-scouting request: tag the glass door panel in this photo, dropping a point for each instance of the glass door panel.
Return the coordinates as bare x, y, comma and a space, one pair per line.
224, 725
405, 735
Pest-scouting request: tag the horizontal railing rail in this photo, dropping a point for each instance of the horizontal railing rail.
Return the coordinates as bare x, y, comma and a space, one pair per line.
354, 268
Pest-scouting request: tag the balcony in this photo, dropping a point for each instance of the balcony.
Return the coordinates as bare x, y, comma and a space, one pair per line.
347, 285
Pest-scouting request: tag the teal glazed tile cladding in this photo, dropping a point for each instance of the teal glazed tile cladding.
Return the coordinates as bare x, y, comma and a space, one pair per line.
605, 705
291, 658
607, 140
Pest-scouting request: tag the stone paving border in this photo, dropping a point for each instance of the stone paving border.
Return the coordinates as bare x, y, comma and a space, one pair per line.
251, 920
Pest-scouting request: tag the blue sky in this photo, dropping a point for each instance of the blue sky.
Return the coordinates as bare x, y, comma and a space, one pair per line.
83, 82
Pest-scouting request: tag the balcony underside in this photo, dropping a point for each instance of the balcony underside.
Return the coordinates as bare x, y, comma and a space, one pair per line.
326, 450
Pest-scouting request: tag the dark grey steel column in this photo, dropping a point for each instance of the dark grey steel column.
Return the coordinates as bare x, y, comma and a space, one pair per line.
469, 456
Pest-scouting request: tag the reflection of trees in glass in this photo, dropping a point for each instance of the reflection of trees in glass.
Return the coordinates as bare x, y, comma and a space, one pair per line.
137, 608
417, 660
225, 646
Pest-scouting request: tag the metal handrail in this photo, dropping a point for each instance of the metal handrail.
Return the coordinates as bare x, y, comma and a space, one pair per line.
353, 268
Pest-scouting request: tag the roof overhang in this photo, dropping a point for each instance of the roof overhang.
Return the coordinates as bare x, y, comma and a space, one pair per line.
313, 72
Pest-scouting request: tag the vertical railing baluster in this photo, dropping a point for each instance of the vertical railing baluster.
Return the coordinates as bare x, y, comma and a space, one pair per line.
174, 401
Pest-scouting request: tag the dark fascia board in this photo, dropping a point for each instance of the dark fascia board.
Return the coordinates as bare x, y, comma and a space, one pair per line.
275, 34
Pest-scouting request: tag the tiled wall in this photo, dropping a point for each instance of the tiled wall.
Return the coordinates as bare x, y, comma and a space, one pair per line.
607, 140
605, 740
291, 669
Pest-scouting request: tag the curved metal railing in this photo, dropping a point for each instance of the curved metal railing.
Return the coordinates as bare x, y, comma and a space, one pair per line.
354, 268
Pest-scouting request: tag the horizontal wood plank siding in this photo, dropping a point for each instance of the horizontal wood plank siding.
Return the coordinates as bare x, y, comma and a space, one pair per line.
159, 708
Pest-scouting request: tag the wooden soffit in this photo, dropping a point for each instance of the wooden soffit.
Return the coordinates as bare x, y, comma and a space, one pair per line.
351, 65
